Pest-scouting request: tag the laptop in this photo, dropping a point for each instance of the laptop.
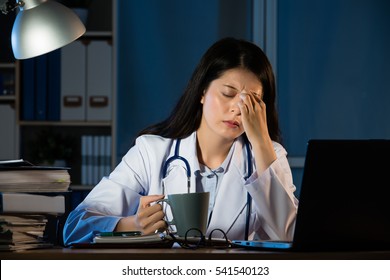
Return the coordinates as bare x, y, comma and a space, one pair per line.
345, 199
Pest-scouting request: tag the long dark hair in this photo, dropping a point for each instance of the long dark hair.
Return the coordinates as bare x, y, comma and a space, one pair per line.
223, 55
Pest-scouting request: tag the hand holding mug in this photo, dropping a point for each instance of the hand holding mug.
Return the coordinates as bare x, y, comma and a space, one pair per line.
148, 218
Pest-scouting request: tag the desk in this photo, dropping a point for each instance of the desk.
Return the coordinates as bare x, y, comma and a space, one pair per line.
187, 254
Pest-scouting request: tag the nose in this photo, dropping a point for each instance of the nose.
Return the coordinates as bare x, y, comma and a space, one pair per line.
234, 105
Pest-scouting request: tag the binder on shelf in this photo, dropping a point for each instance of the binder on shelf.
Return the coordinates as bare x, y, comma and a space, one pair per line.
102, 160
89, 154
95, 158
2, 84
73, 84
54, 86
8, 125
107, 155
99, 81
84, 160
28, 96
41, 87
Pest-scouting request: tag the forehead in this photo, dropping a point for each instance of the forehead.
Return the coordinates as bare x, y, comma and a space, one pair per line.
240, 79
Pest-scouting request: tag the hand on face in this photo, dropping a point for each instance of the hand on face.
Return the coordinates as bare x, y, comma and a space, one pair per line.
253, 116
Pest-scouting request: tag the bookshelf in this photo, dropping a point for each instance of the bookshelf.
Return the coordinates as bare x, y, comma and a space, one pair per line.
40, 139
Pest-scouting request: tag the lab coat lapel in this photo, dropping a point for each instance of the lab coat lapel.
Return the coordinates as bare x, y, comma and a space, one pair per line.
231, 197
187, 151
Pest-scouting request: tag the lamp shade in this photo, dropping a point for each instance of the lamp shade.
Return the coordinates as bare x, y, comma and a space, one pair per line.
42, 26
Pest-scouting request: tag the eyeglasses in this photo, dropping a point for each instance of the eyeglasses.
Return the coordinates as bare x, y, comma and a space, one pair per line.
201, 241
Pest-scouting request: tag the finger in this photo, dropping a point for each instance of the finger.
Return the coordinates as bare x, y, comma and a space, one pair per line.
262, 105
154, 221
149, 211
248, 100
145, 201
160, 226
146, 217
156, 217
257, 98
243, 107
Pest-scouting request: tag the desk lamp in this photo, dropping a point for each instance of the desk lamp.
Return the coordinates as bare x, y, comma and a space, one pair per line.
41, 26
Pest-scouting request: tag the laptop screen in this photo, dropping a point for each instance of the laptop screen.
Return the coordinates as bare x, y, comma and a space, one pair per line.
345, 196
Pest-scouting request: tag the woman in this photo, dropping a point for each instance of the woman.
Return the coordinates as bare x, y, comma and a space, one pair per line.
228, 128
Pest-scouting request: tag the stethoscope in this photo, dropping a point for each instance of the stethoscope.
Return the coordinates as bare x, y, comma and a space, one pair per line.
176, 156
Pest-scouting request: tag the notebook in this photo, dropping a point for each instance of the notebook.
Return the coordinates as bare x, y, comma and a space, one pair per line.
345, 198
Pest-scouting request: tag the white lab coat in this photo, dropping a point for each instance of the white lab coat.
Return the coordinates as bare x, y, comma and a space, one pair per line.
274, 205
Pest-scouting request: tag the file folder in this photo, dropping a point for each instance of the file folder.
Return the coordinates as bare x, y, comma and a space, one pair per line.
99, 80
73, 85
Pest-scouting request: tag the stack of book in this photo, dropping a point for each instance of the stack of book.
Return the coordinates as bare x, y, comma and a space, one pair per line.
31, 199
22, 232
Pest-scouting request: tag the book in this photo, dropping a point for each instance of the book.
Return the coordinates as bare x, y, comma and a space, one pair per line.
23, 232
115, 240
126, 238
32, 203
22, 176
15, 163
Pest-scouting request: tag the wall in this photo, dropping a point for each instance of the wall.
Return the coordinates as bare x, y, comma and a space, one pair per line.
333, 71
332, 63
159, 44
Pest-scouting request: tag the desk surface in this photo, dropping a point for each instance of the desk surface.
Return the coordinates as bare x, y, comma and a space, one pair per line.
179, 253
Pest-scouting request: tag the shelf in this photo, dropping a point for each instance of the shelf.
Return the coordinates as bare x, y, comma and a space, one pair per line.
7, 98
95, 34
81, 187
64, 123
10, 65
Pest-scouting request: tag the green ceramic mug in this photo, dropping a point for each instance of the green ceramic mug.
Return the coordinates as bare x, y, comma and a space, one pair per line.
189, 211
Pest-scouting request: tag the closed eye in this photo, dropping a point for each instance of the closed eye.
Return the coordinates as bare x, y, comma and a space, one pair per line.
229, 95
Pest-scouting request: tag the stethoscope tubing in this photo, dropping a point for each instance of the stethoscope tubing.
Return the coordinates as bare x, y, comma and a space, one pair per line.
176, 156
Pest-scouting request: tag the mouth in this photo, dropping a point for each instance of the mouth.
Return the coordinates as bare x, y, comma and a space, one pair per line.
232, 124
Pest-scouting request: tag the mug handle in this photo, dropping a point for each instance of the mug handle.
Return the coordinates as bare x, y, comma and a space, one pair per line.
171, 222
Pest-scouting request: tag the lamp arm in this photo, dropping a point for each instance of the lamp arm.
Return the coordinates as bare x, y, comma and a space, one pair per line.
7, 6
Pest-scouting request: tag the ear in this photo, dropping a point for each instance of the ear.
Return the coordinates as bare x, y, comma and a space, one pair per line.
202, 99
